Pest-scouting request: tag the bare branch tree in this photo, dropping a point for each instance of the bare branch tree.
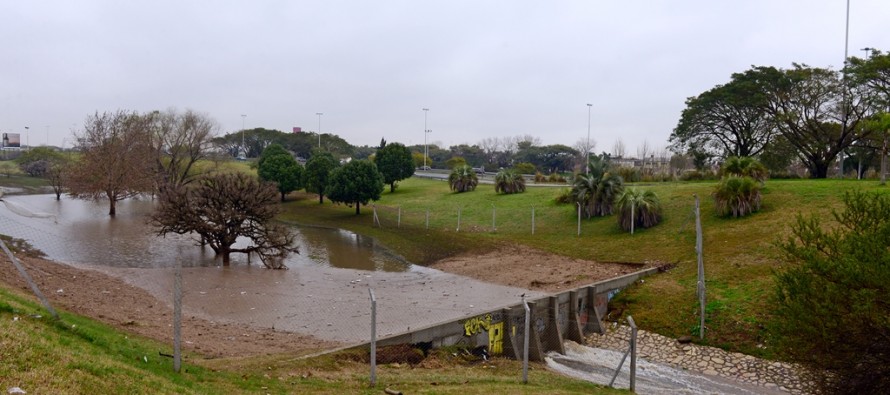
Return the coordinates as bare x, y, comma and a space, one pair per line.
618, 149
115, 158
179, 141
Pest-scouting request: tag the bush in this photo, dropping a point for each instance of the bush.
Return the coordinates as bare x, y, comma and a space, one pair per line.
695, 175
556, 178
630, 174
524, 168
565, 196
737, 196
834, 299
540, 177
638, 209
509, 181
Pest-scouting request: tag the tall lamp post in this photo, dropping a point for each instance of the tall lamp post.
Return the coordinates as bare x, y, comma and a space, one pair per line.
846, 110
425, 132
27, 138
587, 146
243, 118
319, 128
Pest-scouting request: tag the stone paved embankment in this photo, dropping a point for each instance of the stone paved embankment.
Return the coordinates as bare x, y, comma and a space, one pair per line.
707, 360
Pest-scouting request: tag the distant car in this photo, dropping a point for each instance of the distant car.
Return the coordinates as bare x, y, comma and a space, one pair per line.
479, 170
425, 168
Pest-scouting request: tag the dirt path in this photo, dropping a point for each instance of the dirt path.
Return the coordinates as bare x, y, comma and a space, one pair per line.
238, 311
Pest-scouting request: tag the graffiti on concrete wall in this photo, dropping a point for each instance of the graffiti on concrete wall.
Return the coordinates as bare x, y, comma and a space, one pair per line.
491, 324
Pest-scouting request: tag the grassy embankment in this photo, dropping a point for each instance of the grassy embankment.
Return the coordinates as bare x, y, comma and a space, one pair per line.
78, 355
739, 254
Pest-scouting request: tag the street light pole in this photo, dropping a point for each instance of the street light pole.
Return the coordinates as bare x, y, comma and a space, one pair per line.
27, 138
319, 128
846, 63
243, 118
425, 132
587, 146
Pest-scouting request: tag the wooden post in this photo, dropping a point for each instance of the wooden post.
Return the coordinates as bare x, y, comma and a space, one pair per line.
533, 219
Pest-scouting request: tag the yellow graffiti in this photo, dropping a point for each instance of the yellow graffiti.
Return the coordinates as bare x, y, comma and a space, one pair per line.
475, 325
496, 338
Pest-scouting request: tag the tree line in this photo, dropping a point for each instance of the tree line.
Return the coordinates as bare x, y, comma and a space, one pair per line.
811, 114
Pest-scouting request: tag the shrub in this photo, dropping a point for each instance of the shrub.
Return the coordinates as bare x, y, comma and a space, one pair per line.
744, 166
509, 181
638, 209
565, 196
630, 174
524, 168
463, 179
556, 178
540, 177
737, 196
834, 299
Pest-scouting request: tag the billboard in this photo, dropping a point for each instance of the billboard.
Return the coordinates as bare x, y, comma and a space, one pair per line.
12, 140
297, 129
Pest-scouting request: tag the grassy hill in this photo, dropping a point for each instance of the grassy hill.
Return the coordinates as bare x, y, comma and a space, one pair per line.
739, 254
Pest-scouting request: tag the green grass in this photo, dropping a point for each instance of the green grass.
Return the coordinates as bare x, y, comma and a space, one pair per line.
77, 355
739, 254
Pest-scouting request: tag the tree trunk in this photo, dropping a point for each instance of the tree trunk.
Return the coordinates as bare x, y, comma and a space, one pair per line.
392, 187
320, 198
226, 256
112, 207
282, 196
357, 205
58, 195
884, 162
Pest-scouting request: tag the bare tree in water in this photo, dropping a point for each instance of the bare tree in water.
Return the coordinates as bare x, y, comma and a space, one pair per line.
115, 158
221, 207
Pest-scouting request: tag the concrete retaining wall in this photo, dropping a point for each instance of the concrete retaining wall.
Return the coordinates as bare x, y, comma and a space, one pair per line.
554, 318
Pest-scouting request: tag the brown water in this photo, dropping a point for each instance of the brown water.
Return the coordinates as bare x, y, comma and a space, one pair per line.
81, 232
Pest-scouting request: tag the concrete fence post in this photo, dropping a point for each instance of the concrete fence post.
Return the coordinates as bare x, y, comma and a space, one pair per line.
177, 316
373, 338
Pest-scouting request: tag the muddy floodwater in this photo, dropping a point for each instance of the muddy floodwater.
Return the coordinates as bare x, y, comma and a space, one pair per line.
78, 231
324, 294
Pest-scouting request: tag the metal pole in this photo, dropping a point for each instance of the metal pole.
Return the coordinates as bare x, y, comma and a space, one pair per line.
28, 279
633, 353
494, 225
632, 218
701, 268
319, 128
458, 219
425, 132
177, 316
587, 147
579, 219
533, 219
243, 118
373, 338
427, 218
399, 220
845, 114
525, 341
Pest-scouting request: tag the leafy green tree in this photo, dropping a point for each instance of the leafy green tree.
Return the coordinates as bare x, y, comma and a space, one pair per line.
833, 299
509, 181
394, 162
815, 111
638, 209
463, 179
455, 161
596, 191
744, 167
318, 172
357, 182
36, 161
728, 120
221, 207
525, 168
279, 166
737, 196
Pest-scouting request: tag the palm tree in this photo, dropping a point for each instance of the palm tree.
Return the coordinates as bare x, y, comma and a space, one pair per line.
463, 179
596, 191
638, 209
737, 196
745, 166
509, 181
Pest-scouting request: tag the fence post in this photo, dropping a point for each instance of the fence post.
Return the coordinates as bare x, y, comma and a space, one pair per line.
177, 315
458, 219
376, 219
494, 225
633, 353
701, 269
30, 282
633, 219
373, 338
579, 219
427, 218
399, 221
525, 340
533, 219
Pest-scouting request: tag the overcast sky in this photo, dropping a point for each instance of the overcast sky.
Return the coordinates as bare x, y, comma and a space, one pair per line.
483, 68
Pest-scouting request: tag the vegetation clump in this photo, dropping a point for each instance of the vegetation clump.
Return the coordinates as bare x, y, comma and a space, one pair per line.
638, 209
463, 179
509, 181
834, 298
